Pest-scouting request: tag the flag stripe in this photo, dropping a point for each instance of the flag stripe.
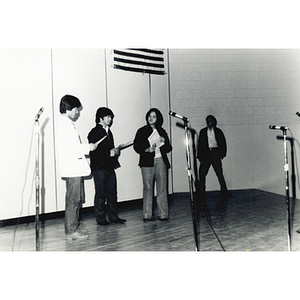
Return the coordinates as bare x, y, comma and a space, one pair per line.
153, 51
139, 60
140, 63
139, 70
137, 55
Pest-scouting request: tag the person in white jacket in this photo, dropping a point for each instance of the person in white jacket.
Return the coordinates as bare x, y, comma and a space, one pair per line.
73, 165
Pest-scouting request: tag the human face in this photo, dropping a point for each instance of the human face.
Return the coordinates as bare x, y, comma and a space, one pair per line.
152, 118
106, 121
74, 114
210, 123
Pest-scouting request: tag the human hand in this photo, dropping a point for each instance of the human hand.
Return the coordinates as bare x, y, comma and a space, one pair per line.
93, 146
151, 149
162, 140
114, 152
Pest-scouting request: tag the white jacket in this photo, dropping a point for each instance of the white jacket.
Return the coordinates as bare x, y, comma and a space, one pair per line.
71, 152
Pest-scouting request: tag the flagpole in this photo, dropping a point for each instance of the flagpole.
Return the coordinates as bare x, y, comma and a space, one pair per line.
150, 92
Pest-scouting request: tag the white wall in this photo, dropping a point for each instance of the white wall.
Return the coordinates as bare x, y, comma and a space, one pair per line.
128, 97
25, 87
89, 75
39, 78
80, 73
247, 90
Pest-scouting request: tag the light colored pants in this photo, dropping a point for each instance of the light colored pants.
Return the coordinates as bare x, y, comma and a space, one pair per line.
158, 175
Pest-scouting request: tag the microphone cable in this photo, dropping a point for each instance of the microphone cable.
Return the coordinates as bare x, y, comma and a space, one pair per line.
207, 215
210, 224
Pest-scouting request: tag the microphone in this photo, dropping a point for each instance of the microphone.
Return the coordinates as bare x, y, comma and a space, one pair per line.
278, 127
173, 114
39, 114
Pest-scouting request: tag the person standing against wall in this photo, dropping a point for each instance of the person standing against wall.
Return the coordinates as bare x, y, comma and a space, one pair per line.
152, 144
104, 161
212, 148
73, 164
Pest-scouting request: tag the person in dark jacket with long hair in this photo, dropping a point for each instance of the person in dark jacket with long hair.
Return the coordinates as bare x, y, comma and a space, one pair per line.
152, 144
212, 148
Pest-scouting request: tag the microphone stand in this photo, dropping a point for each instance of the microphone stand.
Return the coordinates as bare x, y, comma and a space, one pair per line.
286, 169
37, 182
189, 170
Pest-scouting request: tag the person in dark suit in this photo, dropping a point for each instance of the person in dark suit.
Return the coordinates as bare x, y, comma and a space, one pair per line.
212, 148
104, 161
152, 144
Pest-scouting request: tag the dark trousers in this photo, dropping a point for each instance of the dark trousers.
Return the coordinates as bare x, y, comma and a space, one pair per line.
105, 191
216, 162
75, 196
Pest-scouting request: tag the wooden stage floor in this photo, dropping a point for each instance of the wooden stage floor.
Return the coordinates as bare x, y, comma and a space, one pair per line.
249, 220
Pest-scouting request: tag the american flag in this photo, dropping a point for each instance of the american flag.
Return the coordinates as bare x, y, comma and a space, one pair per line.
149, 61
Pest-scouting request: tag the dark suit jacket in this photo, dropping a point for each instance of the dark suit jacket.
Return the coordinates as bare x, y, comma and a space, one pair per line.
100, 157
141, 143
203, 150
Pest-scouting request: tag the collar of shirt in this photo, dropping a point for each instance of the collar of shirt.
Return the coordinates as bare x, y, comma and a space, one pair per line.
212, 142
105, 128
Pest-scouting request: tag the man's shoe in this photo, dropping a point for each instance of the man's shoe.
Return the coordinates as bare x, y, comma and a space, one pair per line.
77, 235
226, 193
201, 194
298, 231
147, 220
104, 223
164, 219
119, 220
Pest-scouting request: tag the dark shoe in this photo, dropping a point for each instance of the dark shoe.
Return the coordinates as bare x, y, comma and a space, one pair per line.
201, 192
201, 195
164, 219
226, 193
119, 220
147, 220
103, 223
298, 231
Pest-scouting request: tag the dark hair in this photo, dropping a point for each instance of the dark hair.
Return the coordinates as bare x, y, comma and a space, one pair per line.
213, 119
103, 112
68, 102
160, 119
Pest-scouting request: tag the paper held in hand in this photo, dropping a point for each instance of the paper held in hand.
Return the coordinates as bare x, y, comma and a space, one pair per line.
154, 138
97, 143
123, 146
